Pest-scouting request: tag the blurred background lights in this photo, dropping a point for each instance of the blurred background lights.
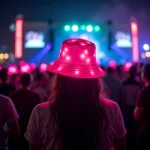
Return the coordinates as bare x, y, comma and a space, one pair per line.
12, 27
32, 66
127, 66
75, 28
97, 28
83, 27
25, 69
22, 62
43, 67
146, 47
84, 36
6, 56
67, 27
134, 26
112, 64
89, 28
147, 54
1, 56
143, 55
12, 70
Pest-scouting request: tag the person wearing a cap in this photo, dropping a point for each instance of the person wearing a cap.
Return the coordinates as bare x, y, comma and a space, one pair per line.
142, 111
76, 116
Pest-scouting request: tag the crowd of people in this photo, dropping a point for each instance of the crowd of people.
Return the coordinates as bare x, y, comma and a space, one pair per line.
57, 111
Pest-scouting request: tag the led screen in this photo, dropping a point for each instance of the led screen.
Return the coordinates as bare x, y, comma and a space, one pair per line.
34, 39
123, 40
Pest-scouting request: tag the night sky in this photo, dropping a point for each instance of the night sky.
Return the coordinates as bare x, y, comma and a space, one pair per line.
60, 10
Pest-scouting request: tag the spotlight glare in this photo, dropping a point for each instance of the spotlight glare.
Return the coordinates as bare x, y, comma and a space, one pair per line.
146, 47
75, 28
66, 27
97, 28
89, 28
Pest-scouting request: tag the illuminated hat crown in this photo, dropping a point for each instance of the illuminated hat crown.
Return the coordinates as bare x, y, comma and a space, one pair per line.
77, 59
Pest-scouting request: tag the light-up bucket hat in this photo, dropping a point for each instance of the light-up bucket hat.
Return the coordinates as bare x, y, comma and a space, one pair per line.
77, 59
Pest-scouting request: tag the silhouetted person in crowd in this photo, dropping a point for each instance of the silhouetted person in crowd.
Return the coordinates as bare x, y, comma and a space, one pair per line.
24, 100
113, 84
130, 89
40, 87
8, 122
13, 80
138, 76
5, 88
120, 73
142, 111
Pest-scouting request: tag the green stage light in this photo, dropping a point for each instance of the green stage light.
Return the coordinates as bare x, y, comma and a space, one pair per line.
75, 28
83, 27
66, 27
97, 28
89, 28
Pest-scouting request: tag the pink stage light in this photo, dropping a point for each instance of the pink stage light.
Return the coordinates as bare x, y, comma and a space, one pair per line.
135, 44
18, 38
43, 67
22, 62
127, 66
12, 70
32, 66
112, 64
25, 69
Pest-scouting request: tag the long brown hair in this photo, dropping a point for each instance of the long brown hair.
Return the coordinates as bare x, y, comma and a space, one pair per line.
77, 111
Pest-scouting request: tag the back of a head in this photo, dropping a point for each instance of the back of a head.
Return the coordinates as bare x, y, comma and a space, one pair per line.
79, 116
25, 79
110, 70
146, 71
39, 76
119, 69
13, 76
133, 71
3, 74
141, 65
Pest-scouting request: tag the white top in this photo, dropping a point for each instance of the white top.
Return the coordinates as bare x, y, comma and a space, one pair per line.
40, 130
